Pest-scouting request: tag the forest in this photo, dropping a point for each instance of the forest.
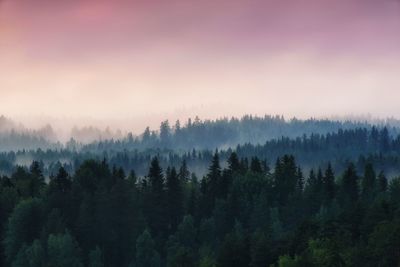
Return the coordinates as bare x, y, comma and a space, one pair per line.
324, 198
245, 214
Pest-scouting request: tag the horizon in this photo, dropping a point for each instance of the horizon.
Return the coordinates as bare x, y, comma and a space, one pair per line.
63, 129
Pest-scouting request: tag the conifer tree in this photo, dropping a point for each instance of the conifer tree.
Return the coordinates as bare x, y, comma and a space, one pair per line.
174, 194
349, 186
382, 182
233, 162
368, 183
329, 184
146, 255
156, 212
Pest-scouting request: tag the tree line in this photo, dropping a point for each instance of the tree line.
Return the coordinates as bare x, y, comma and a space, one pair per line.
359, 145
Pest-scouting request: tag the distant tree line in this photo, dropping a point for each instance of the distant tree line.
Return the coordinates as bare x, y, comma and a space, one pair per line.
359, 145
224, 133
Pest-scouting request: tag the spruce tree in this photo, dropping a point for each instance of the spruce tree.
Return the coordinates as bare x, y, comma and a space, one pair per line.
156, 210
233, 162
174, 194
368, 183
382, 182
146, 254
349, 186
329, 185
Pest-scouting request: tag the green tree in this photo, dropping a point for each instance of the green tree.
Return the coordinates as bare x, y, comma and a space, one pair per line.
24, 226
174, 194
146, 255
260, 250
255, 165
329, 185
184, 173
349, 186
287, 261
181, 246
233, 162
324, 252
30, 256
156, 211
96, 258
234, 251
63, 251
368, 183
383, 245
382, 183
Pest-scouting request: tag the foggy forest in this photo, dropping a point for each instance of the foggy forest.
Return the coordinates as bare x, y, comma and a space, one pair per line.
253, 191
211, 133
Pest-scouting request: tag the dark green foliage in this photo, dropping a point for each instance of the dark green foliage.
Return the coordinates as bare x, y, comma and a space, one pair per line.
24, 226
156, 213
368, 183
234, 250
174, 195
146, 255
240, 215
181, 246
30, 256
383, 245
233, 161
63, 251
382, 182
349, 186
329, 187
96, 258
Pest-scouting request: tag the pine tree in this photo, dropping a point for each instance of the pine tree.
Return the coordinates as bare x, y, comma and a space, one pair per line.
368, 183
96, 258
156, 211
349, 186
24, 226
382, 182
184, 173
233, 162
255, 165
63, 251
212, 181
329, 185
146, 255
174, 194
300, 181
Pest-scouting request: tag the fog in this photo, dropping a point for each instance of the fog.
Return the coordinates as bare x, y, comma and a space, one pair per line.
129, 64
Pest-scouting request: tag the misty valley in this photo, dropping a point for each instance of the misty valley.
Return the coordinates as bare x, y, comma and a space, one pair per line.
250, 191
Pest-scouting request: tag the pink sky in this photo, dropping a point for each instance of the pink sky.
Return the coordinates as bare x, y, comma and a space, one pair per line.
142, 59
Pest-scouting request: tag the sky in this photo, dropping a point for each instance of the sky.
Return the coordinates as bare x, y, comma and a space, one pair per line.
138, 62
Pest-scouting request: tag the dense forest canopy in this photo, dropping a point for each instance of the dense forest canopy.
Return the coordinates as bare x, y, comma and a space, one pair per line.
245, 214
239, 192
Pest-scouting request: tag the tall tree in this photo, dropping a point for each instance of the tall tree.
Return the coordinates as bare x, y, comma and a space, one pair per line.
368, 183
233, 162
24, 226
349, 186
174, 193
382, 182
329, 184
63, 251
96, 258
156, 213
184, 173
146, 255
